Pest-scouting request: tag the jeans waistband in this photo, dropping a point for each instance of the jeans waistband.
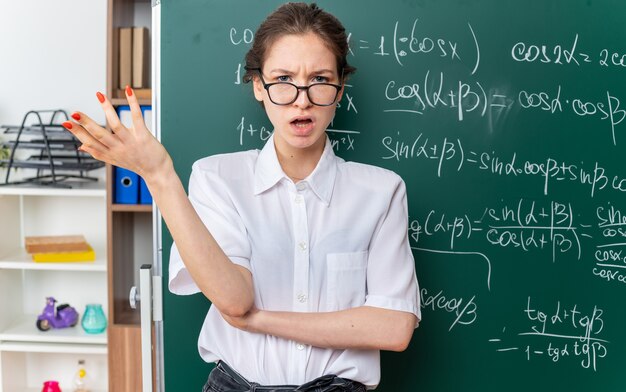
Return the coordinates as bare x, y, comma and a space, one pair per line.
320, 384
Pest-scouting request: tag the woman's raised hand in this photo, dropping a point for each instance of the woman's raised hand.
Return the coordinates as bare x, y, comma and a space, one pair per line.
133, 148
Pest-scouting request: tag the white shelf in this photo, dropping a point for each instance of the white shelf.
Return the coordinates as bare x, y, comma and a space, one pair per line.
56, 348
24, 329
19, 259
94, 189
39, 390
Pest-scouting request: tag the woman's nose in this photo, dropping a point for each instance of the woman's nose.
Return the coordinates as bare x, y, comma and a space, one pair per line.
302, 99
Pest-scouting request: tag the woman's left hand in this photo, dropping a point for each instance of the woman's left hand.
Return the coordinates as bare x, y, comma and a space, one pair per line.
245, 322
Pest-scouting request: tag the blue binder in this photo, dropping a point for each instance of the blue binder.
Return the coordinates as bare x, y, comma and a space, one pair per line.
144, 194
126, 186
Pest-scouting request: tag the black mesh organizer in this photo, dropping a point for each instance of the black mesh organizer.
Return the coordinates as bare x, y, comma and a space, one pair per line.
47, 148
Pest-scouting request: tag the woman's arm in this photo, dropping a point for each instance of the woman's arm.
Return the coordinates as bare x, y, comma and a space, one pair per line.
364, 327
387, 318
227, 285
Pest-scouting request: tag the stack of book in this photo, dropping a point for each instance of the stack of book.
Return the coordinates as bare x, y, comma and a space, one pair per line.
59, 249
134, 58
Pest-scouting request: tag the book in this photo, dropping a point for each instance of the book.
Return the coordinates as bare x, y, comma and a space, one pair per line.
56, 243
65, 257
141, 57
125, 56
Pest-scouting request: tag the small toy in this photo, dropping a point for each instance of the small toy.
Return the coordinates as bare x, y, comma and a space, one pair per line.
65, 316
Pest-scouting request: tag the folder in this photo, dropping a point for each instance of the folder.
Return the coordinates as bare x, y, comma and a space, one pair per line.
126, 186
126, 119
144, 193
123, 112
146, 111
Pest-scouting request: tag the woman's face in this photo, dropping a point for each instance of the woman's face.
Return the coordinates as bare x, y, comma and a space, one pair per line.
301, 60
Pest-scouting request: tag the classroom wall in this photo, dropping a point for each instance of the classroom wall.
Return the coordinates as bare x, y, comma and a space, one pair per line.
52, 55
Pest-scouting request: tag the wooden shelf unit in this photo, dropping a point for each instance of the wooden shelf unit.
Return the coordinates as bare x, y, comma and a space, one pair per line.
129, 227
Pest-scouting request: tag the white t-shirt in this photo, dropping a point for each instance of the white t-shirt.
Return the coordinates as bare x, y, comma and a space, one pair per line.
335, 240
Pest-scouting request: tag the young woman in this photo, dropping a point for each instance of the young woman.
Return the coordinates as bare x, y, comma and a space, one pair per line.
304, 256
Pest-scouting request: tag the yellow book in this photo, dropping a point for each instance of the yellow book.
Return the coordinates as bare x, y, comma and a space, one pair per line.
65, 257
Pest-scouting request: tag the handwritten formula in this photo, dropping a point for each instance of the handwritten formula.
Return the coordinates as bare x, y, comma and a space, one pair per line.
560, 332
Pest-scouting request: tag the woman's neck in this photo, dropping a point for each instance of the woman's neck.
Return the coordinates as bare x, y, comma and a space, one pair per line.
299, 163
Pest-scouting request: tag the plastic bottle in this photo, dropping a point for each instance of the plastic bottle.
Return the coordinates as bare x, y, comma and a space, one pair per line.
80, 378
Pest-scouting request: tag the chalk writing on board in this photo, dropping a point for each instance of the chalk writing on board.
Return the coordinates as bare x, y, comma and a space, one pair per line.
347, 101
464, 97
564, 54
475, 256
610, 58
340, 139
526, 226
557, 54
532, 226
437, 91
529, 226
442, 153
404, 41
240, 36
248, 130
605, 108
238, 77
610, 255
399, 43
464, 310
570, 333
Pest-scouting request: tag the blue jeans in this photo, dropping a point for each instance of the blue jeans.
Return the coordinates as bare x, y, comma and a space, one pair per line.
225, 379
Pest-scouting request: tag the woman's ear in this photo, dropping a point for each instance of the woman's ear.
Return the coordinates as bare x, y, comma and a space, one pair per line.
340, 95
258, 88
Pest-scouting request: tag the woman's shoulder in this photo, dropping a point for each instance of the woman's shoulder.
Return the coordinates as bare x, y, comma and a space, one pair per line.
229, 162
366, 174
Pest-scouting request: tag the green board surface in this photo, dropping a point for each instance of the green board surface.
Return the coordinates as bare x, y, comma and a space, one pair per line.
506, 121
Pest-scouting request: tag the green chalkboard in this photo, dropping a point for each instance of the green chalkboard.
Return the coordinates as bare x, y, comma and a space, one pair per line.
506, 121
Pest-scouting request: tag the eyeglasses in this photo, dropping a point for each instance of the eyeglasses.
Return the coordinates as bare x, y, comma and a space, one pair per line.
285, 93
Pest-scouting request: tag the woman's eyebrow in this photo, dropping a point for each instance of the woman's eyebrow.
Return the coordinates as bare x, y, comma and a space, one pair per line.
281, 71
324, 71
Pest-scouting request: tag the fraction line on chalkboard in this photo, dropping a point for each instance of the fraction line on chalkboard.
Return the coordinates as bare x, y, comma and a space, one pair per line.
611, 265
609, 245
552, 335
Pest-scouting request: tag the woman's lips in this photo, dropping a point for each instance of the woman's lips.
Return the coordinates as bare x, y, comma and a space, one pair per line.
302, 126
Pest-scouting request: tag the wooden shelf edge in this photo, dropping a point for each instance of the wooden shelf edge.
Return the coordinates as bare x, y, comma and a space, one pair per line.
123, 101
132, 207
144, 97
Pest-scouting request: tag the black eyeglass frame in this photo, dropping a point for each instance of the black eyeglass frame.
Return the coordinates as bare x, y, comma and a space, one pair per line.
267, 86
